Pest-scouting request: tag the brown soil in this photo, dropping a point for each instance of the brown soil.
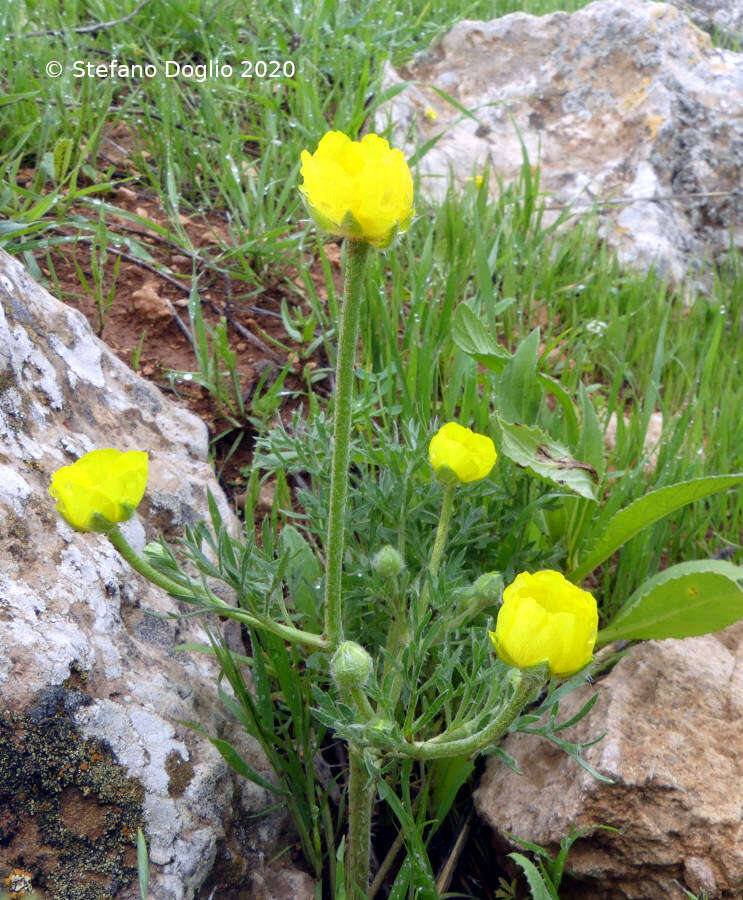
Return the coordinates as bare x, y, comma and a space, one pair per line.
150, 308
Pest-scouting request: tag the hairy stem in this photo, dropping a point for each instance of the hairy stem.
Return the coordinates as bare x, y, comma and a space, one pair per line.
447, 507
528, 685
352, 293
211, 601
361, 793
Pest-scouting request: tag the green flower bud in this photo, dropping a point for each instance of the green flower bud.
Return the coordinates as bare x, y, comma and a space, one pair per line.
350, 666
387, 562
488, 587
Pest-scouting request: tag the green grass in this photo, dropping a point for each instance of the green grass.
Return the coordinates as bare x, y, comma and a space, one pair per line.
230, 147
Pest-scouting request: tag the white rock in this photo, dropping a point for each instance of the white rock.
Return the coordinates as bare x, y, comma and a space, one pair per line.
80, 659
622, 100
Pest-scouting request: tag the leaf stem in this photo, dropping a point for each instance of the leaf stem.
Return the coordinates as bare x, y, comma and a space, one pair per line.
211, 601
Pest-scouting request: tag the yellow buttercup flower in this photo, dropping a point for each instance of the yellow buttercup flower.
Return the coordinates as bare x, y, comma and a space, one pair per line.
456, 449
358, 189
104, 483
546, 618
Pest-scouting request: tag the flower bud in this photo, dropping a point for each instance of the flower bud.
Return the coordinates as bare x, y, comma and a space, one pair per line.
546, 619
387, 562
103, 487
488, 587
350, 666
459, 454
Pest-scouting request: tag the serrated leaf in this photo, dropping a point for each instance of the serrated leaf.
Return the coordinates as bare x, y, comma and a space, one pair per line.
529, 446
540, 889
647, 510
61, 156
685, 600
519, 392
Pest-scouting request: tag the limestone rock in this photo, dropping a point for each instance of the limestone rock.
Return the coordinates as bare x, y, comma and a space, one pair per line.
90, 686
722, 17
624, 100
671, 711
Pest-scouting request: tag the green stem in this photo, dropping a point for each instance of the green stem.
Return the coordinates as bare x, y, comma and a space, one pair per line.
361, 793
352, 294
179, 590
528, 686
399, 635
447, 507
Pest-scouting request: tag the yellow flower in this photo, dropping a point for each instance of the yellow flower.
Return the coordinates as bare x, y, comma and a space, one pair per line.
358, 189
103, 483
468, 455
430, 113
545, 618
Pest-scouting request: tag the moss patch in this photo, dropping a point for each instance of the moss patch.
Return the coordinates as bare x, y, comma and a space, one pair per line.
68, 812
179, 772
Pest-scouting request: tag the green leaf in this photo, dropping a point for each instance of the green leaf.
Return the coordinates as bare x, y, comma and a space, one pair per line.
647, 510
540, 889
61, 156
591, 442
473, 338
529, 446
143, 865
553, 386
234, 760
519, 392
303, 573
448, 777
685, 600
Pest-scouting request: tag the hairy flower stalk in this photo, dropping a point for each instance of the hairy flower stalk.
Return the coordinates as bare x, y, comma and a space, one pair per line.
104, 487
349, 326
363, 191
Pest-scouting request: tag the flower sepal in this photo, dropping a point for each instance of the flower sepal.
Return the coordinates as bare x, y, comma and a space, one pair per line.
100, 524
446, 476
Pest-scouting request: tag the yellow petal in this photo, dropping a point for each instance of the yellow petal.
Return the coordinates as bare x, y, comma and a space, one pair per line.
544, 617
470, 456
105, 482
360, 189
